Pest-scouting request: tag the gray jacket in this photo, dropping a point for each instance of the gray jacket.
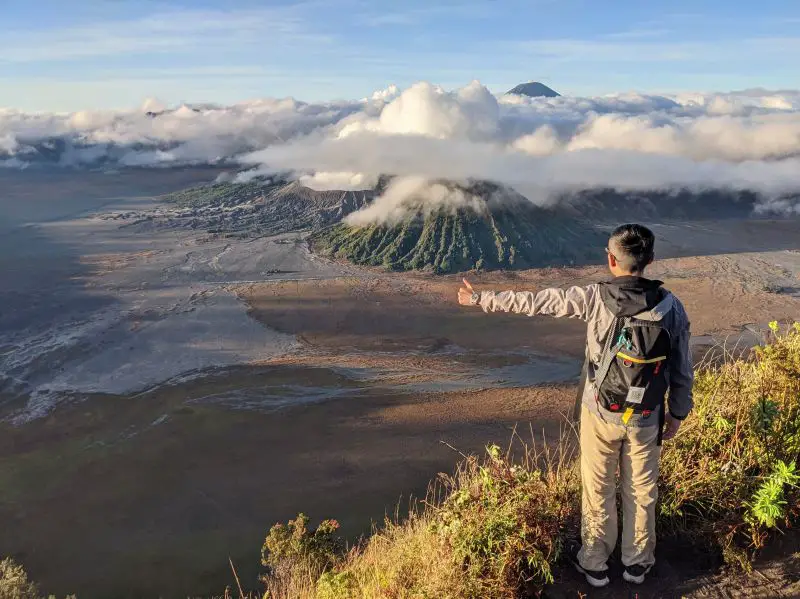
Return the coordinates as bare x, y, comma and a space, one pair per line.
598, 305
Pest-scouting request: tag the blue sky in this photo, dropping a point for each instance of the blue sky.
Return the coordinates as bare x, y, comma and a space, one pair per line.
90, 54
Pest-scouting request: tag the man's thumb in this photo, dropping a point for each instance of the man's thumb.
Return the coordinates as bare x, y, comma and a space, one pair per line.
467, 285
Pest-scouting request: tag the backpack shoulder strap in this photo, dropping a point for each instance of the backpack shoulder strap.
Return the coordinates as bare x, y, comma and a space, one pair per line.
612, 346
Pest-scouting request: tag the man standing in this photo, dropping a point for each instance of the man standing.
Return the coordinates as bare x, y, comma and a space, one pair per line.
637, 351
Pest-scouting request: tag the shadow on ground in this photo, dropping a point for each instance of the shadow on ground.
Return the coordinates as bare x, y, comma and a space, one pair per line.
150, 496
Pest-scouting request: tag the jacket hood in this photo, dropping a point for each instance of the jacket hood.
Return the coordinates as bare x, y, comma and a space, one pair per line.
636, 296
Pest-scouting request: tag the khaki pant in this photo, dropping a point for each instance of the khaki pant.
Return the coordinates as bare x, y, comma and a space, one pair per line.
604, 447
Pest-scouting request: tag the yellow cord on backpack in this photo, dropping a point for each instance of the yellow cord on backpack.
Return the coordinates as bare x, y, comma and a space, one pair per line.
627, 415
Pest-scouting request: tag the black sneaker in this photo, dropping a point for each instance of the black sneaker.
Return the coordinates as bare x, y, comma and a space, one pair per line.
596, 578
636, 574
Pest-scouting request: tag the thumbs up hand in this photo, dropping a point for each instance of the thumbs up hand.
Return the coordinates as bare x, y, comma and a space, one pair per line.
465, 294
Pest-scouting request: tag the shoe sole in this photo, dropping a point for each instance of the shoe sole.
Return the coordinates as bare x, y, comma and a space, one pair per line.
635, 579
596, 583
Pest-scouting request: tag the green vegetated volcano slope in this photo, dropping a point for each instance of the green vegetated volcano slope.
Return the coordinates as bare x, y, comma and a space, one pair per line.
519, 235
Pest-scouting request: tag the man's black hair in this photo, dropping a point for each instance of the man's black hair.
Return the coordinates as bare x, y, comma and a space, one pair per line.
632, 245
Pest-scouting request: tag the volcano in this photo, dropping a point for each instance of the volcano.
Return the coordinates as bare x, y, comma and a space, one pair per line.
534, 89
494, 228
507, 231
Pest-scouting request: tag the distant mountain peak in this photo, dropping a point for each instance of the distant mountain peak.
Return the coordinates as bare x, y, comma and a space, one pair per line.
534, 89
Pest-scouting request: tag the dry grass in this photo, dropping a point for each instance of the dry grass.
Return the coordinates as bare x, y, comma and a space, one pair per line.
492, 529
399, 561
14, 583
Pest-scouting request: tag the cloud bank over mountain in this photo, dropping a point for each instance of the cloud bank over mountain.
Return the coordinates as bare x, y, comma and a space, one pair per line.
540, 146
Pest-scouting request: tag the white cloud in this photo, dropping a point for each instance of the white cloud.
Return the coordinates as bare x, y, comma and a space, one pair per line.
178, 136
8, 144
163, 32
542, 142
325, 181
152, 105
426, 110
713, 137
539, 146
413, 194
386, 95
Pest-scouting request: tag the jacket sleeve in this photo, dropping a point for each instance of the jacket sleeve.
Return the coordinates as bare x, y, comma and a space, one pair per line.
681, 371
573, 302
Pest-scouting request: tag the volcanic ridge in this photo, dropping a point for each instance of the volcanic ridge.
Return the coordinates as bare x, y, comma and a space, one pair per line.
504, 231
498, 229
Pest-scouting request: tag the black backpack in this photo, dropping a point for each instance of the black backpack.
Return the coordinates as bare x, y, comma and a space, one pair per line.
632, 375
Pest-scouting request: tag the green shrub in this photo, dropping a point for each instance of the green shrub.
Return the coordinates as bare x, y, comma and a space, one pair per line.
731, 473
295, 555
769, 504
14, 583
506, 522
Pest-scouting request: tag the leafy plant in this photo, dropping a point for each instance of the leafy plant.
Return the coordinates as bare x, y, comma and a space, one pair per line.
730, 476
769, 501
293, 552
14, 583
506, 523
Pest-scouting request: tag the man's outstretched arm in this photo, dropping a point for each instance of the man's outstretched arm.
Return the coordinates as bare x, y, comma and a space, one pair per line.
572, 302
